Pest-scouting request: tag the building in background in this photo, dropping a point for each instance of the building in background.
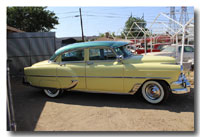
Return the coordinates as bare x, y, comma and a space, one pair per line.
12, 29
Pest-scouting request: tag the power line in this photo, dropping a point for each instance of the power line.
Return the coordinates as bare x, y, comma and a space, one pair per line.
67, 17
107, 13
108, 16
93, 15
67, 12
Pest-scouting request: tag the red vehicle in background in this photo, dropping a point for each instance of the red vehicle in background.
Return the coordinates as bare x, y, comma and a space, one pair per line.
155, 48
160, 41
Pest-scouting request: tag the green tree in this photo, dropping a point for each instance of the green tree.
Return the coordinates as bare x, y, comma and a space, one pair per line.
31, 19
135, 30
101, 35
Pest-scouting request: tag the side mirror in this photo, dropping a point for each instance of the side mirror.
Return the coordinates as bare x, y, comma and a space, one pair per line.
61, 63
120, 58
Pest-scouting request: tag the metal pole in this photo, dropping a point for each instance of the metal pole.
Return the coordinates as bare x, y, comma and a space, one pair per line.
11, 124
182, 49
171, 19
176, 39
176, 46
130, 29
168, 27
154, 21
172, 40
145, 46
141, 28
151, 42
81, 24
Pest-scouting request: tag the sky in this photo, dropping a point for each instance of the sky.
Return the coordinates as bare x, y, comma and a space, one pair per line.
98, 20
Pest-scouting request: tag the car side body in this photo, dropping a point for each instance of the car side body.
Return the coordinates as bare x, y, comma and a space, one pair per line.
101, 67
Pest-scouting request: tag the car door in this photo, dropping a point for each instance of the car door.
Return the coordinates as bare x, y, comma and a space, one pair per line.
72, 69
103, 71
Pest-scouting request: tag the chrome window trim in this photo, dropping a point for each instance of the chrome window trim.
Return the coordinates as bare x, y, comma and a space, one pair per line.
97, 61
72, 51
111, 48
69, 62
68, 51
103, 47
118, 55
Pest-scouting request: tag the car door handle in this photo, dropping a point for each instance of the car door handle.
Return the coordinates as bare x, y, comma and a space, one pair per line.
90, 63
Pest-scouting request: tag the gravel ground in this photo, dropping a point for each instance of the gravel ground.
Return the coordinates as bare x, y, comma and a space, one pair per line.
78, 111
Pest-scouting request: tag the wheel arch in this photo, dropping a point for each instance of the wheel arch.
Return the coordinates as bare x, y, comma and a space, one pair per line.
157, 80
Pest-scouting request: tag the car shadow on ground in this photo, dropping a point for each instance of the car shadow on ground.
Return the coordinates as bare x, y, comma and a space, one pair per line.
175, 103
29, 103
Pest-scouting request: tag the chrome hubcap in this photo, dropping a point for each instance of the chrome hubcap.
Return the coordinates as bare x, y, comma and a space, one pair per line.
152, 91
52, 91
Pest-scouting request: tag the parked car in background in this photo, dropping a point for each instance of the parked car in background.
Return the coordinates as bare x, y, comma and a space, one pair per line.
107, 67
155, 48
160, 46
175, 51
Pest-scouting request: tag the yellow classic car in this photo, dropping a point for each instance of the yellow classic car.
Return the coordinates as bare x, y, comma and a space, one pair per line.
107, 66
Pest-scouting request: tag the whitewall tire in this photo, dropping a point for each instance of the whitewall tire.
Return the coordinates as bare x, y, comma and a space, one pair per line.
52, 93
155, 92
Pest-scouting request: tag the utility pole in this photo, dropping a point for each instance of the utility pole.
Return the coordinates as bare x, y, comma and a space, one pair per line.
81, 25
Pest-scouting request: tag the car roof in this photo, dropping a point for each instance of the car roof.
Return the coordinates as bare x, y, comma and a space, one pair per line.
87, 45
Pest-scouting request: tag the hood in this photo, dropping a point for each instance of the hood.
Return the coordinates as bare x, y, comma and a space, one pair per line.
41, 63
150, 59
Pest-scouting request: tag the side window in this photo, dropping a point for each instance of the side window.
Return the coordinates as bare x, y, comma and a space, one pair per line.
101, 54
186, 49
77, 55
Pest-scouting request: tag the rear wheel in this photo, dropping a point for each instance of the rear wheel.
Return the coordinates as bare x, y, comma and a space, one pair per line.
155, 92
52, 93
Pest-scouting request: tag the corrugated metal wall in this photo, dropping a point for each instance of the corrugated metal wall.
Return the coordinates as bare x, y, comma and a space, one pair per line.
27, 48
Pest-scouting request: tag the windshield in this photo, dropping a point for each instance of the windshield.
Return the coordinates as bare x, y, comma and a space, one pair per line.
169, 49
123, 51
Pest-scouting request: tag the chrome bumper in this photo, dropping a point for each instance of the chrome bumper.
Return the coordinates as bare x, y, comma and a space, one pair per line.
184, 83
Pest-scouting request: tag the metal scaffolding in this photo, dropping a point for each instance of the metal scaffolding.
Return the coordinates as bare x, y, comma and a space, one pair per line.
174, 33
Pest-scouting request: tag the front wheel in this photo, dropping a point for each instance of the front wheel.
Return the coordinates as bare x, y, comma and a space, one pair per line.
52, 93
155, 92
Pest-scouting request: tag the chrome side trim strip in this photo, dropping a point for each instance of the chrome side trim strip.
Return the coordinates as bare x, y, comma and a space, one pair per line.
135, 88
73, 84
100, 77
150, 77
40, 75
